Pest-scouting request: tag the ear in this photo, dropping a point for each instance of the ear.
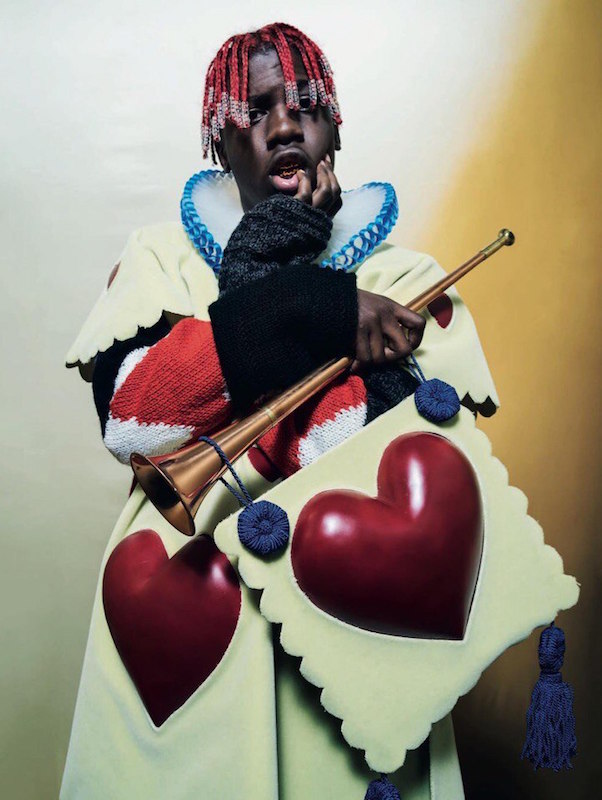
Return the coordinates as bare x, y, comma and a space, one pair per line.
221, 154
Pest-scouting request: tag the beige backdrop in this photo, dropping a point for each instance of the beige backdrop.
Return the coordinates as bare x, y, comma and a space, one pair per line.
482, 115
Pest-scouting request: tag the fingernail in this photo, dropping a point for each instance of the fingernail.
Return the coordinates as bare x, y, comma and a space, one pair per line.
328, 158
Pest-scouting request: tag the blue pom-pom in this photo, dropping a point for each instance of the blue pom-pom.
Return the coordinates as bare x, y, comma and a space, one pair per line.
263, 527
382, 789
436, 400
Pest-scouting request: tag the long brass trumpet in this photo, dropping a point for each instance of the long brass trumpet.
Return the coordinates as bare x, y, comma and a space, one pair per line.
177, 483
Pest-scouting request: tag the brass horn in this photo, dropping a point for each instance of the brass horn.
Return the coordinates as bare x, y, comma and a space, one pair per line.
177, 483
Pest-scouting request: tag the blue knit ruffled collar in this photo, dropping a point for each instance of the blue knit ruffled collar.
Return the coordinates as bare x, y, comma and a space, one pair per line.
211, 209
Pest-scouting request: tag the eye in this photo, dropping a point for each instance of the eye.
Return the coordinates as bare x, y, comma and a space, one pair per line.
256, 114
305, 102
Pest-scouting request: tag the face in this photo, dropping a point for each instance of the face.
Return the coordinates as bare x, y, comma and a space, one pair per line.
264, 157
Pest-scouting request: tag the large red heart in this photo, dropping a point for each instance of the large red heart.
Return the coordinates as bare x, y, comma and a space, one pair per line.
405, 562
171, 619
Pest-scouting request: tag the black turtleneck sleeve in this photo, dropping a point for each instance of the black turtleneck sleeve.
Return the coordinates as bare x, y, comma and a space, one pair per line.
278, 315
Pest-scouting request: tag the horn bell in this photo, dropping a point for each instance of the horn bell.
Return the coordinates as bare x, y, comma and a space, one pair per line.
177, 483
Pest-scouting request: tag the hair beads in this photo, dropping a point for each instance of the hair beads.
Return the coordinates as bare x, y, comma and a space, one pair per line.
227, 80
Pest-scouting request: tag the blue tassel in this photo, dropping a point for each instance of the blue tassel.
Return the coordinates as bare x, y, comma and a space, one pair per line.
382, 789
550, 740
435, 400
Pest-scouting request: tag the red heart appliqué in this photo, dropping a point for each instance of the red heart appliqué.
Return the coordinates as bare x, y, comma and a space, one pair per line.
406, 562
171, 619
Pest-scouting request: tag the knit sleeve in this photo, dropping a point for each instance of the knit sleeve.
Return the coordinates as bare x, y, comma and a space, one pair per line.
163, 388
278, 315
275, 330
160, 390
278, 232
321, 423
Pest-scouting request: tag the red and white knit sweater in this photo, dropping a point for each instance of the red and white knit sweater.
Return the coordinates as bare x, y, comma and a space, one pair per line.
168, 393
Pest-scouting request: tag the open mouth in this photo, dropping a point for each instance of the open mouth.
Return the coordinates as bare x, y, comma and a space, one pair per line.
284, 173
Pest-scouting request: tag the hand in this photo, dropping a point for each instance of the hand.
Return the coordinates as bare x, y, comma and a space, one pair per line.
381, 338
327, 194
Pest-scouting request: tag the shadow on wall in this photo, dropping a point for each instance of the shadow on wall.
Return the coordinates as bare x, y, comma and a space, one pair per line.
536, 169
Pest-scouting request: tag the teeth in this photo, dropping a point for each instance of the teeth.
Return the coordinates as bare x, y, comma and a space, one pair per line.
288, 170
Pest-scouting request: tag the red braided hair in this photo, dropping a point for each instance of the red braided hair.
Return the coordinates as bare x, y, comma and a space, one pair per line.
227, 79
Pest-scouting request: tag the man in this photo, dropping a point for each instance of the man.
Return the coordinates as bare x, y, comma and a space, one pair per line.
191, 333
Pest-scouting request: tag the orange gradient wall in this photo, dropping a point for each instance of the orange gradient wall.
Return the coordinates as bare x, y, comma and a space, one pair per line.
537, 169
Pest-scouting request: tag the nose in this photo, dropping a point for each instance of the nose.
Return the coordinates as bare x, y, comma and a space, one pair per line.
284, 126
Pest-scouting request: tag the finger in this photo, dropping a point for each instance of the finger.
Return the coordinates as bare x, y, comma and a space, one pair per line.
414, 323
337, 200
362, 349
416, 333
392, 355
397, 342
409, 319
377, 346
335, 207
322, 196
415, 336
304, 187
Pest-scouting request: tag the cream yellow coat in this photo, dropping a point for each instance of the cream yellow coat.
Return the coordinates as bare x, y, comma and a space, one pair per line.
256, 729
